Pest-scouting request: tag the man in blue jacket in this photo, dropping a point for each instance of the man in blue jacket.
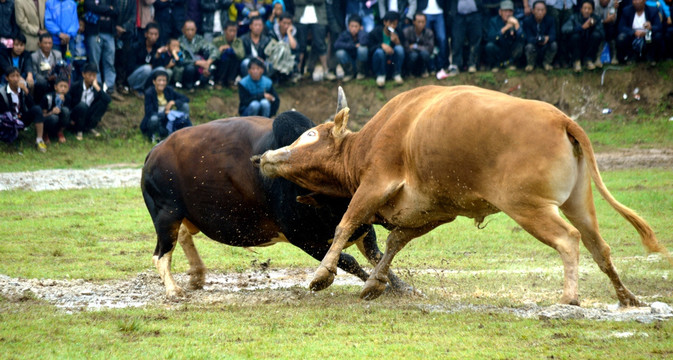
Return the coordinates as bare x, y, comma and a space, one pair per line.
60, 19
640, 33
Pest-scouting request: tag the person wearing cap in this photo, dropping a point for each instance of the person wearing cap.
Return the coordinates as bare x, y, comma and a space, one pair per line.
540, 33
87, 102
256, 94
160, 100
504, 38
585, 32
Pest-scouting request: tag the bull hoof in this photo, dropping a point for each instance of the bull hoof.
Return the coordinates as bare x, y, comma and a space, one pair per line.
175, 293
628, 300
322, 279
197, 278
373, 289
569, 301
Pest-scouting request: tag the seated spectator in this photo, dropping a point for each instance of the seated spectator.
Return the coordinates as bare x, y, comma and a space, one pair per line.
14, 98
607, 12
45, 61
277, 8
254, 43
283, 55
385, 46
56, 114
467, 24
79, 53
640, 33
540, 33
215, 15
199, 55
351, 49
419, 42
585, 32
146, 59
504, 39
162, 105
18, 57
231, 53
664, 9
256, 93
60, 19
171, 59
87, 103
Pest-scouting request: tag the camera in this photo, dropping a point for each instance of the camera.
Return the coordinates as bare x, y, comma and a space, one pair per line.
539, 39
648, 36
391, 29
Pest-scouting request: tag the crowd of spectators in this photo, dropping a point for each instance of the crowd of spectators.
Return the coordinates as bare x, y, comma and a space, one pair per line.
71, 58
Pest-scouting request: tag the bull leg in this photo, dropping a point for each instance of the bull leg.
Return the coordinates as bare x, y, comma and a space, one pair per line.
167, 236
546, 225
197, 270
370, 250
397, 239
363, 205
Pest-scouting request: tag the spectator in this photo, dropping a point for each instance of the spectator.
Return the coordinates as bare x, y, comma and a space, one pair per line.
161, 102
249, 9
561, 11
56, 115
277, 8
607, 12
45, 61
215, 16
145, 14
8, 27
585, 32
256, 93
231, 53
385, 47
87, 103
666, 29
194, 14
640, 33
310, 18
435, 12
199, 55
283, 53
30, 20
60, 19
172, 60
351, 49
467, 24
404, 8
504, 39
254, 43
125, 30
18, 57
363, 9
419, 42
79, 53
14, 98
170, 15
146, 59
101, 18
540, 33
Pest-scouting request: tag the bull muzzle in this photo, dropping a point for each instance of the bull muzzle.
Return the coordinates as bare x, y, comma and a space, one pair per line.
270, 162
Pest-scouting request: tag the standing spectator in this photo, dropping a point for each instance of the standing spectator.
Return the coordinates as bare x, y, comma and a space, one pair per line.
419, 42
87, 103
146, 59
365, 10
561, 11
18, 57
79, 53
504, 39
101, 18
194, 13
30, 20
60, 19
404, 8
310, 18
199, 55
56, 115
256, 93
160, 100
14, 98
435, 12
249, 9
467, 25
215, 16
540, 33
585, 32
351, 49
385, 45
144, 14
607, 12
45, 61
640, 33
231, 53
125, 30
8, 27
170, 15
254, 43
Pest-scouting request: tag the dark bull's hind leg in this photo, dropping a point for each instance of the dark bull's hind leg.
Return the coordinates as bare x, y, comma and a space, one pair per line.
370, 250
167, 236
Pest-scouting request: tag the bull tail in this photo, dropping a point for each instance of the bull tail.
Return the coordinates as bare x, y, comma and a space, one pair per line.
647, 236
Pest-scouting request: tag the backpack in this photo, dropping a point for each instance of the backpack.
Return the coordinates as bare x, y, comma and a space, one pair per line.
10, 125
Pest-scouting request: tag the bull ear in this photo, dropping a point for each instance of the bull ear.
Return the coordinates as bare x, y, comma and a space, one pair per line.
340, 122
341, 100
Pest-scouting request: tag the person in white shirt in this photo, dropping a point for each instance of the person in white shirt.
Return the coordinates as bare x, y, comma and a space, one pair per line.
88, 103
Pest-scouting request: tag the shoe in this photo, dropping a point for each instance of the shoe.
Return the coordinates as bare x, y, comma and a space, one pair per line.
548, 67
590, 65
614, 61
577, 67
598, 63
79, 136
425, 74
653, 63
453, 70
295, 77
347, 78
329, 76
472, 69
211, 82
178, 85
380, 80
495, 69
441, 74
398, 79
95, 133
360, 76
529, 68
41, 146
511, 67
61, 137
339, 72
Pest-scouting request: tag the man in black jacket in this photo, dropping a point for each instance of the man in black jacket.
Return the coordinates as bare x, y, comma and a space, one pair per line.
14, 98
540, 33
87, 102
640, 33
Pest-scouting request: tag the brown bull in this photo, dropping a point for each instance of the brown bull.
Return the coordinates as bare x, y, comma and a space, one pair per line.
434, 153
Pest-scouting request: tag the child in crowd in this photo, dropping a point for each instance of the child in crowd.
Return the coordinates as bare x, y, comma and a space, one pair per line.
172, 62
56, 114
256, 93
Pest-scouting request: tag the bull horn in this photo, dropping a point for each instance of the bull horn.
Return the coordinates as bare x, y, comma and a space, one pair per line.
341, 100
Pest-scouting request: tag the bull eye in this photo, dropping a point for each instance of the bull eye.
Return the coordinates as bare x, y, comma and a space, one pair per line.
311, 133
